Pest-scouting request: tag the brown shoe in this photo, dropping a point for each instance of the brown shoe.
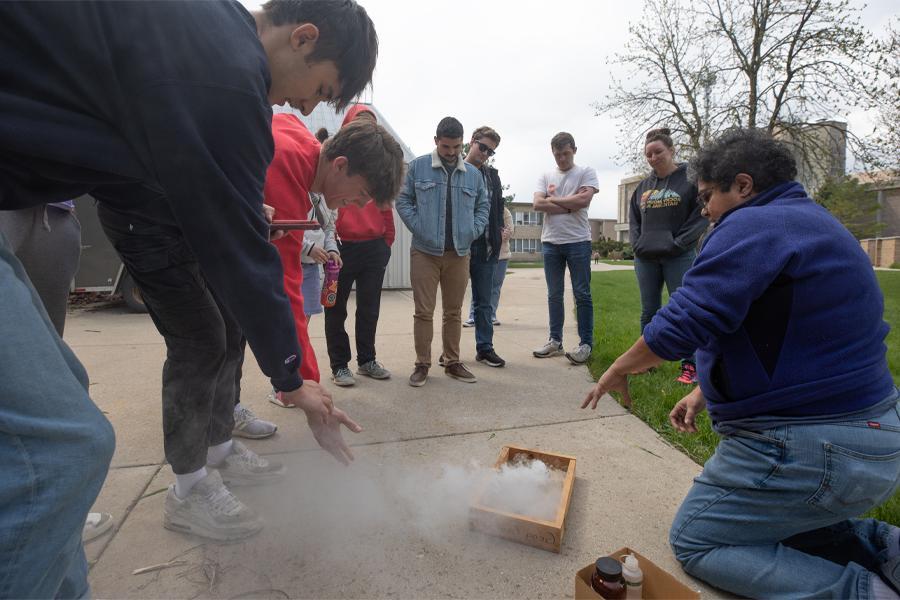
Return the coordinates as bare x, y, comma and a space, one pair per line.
460, 372
418, 377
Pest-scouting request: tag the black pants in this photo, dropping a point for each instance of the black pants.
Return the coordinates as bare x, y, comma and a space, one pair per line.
203, 340
364, 264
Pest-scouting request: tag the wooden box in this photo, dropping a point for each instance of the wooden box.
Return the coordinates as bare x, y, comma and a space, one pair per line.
520, 528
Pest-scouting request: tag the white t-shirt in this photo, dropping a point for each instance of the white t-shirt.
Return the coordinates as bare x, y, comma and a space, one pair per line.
569, 227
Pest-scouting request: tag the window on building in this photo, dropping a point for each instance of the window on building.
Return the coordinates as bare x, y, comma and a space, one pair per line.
528, 218
528, 245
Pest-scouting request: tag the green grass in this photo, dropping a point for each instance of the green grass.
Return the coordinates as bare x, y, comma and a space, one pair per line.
621, 263
654, 394
525, 265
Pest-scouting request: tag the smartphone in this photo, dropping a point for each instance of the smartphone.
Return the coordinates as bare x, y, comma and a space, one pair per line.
293, 225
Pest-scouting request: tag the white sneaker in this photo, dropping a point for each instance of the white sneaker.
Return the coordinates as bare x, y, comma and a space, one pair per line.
469, 323
579, 355
248, 425
210, 510
245, 467
95, 525
551, 348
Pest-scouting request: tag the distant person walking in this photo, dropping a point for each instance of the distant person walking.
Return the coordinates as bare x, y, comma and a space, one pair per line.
665, 224
565, 194
445, 206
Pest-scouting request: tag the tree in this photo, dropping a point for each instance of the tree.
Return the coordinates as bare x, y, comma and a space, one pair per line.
852, 204
782, 65
883, 144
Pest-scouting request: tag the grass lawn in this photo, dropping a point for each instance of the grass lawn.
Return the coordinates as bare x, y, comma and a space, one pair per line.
654, 394
621, 263
525, 265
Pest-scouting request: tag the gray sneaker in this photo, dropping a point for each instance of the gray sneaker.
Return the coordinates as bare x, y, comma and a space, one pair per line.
469, 323
579, 355
210, 510
248, 425
245, 467
373, 369
551, 348
343, 377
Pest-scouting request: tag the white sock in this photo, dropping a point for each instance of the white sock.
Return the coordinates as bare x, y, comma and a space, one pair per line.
184, 483
216, 454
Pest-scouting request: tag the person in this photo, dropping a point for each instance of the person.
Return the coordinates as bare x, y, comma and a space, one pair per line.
596, 256
445, 206
319, 246
165, 119
499, 271
664, 226
785, 315
366, 236
47, 241
485, 250
565, 195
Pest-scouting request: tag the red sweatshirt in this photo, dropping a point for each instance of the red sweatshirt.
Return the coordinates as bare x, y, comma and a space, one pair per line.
288, 180
362, 224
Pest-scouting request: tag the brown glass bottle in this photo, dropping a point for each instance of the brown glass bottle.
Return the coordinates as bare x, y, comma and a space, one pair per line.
607, 579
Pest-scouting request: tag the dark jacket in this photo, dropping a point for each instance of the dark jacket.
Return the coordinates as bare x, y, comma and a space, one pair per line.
491, 233
784, 311
664, 217
160, 110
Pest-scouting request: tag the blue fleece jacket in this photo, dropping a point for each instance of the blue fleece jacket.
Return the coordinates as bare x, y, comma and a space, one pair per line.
784, 311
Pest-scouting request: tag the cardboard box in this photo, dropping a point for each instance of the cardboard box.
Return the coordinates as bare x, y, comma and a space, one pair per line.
658, 584
519, 528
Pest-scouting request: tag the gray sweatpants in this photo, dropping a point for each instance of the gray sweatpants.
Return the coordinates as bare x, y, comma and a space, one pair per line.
47, 241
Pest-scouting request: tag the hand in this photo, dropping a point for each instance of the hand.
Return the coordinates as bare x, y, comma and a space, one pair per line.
610, 381
329, 436
315, 401
505, 233
551, 189
336, 257
683, 414
269, 213
319, 255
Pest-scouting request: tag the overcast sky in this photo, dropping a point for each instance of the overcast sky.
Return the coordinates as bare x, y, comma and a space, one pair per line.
526, 68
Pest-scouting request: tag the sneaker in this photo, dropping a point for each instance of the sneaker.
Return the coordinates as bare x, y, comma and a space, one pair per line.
579, 355
210, 510
496, 323
373, 369
490, 358
551, 348
418, 377
95, 525
469, 323
277, 399
460, 372
248, 425
343, 377
245, 467
688, 374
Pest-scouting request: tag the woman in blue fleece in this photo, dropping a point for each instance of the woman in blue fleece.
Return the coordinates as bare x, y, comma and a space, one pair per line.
785, 315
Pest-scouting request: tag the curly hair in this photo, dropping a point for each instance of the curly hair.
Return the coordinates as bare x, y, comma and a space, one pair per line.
751, 151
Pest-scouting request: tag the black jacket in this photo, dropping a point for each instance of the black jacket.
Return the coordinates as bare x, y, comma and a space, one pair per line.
664, 218
160, 109
491, 233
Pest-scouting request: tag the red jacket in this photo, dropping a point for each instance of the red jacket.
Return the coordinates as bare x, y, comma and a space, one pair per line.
356, 224
288, 180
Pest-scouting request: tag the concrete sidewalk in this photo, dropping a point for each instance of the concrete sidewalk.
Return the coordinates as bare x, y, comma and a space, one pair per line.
394, 523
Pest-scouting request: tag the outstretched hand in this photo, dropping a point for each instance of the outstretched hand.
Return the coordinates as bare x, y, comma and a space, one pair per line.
610, 381
329, 436
312, 398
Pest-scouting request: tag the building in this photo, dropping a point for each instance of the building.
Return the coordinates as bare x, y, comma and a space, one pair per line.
525, 243
626, 189
884, 250
396, 275
603, 229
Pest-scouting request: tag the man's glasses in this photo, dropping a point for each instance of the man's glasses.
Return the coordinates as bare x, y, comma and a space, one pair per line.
485, 148
703, 198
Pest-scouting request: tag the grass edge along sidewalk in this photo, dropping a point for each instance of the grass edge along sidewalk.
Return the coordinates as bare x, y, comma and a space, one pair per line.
617, 325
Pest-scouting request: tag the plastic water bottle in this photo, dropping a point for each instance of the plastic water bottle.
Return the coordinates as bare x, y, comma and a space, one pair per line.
634, 578
330, 286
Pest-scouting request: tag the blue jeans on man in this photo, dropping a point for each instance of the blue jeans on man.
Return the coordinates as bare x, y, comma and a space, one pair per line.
577, 257
499, 277
55, 448
773, 513
481, 272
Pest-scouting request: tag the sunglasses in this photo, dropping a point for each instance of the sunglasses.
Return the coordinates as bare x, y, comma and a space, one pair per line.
485, 148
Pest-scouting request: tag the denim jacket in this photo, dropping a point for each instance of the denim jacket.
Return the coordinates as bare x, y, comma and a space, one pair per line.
422, 204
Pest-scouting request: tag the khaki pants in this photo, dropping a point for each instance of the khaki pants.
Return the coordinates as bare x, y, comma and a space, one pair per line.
451, 271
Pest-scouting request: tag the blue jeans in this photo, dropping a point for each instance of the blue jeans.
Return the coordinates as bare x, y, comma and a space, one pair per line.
652, 273
577, 256
499, 277
481, 272
772, 514
55, 448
